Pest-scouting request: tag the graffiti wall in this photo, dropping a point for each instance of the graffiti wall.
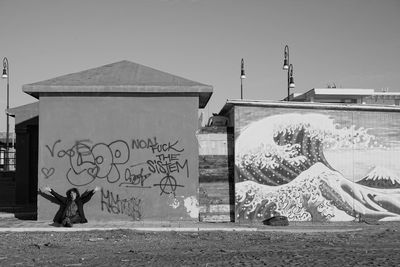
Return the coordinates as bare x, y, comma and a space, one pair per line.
316, 165
142, 152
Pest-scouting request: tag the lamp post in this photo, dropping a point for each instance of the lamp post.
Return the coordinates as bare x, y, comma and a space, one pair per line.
289, 67
6, 75
242, 77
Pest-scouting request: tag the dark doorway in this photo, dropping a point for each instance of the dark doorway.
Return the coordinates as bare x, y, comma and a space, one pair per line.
26, 178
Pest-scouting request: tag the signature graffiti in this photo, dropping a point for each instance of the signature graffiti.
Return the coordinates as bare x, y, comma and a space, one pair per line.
135, 179
113, 204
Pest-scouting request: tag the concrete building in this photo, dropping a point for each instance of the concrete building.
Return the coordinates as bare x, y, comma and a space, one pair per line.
125, 127
347, 95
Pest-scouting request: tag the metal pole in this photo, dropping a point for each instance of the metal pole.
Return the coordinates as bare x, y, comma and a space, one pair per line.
288, 84
241, 88
288, 78
8, 124
242, 76
6, 156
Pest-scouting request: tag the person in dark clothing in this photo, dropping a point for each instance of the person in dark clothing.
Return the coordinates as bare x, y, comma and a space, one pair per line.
71, 206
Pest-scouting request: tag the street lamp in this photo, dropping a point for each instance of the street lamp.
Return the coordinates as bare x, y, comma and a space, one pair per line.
289, 67
242, 76
291, 79
6, 75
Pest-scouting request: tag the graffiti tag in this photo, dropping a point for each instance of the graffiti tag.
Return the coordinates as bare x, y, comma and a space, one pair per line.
112, 203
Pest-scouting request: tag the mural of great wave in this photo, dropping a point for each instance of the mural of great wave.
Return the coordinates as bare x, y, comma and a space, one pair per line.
317, 167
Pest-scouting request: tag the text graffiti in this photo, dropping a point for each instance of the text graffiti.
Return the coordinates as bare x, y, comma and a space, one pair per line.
111, 203
143, 143
165, 147
168, 164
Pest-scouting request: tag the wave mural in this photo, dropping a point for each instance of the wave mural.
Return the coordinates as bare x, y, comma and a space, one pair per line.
282, 170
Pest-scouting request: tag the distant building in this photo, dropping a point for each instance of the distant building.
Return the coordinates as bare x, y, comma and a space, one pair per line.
3, 138
11, 151
347, 95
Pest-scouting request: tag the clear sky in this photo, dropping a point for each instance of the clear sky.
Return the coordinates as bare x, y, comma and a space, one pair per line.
353, 43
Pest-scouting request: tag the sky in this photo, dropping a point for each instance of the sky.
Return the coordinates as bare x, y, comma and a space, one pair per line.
352, 43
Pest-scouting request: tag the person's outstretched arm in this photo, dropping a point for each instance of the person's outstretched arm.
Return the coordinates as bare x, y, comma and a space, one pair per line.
49, 197
87, 195
59, 197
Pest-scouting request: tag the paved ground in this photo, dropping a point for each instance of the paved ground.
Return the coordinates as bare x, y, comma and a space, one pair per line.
198, 244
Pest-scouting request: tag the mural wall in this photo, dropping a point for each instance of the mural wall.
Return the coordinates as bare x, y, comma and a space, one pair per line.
316, 165
142, 152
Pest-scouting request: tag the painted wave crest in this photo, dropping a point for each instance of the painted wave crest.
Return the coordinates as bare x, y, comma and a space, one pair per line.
277, 149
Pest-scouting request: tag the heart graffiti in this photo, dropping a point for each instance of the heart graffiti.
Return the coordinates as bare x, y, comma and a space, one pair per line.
93, 171
47, 172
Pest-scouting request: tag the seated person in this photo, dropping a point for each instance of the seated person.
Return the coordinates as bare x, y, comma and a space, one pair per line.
71, 206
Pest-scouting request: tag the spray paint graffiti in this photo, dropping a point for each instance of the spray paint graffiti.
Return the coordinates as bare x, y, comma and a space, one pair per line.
168, 185
168, 163
165, 161
133, 179
47, 172
88, 161
51, 150
146, 143
285, 166
112, 203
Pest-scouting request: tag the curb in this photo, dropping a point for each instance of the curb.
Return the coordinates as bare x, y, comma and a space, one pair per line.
173, 229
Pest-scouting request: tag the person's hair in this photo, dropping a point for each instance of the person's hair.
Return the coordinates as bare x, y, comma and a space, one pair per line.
72, 190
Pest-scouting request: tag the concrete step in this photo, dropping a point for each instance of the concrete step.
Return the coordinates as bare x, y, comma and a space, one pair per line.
6, 215
20, 212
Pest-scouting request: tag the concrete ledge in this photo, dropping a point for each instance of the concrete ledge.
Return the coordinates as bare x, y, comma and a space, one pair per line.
14, 225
